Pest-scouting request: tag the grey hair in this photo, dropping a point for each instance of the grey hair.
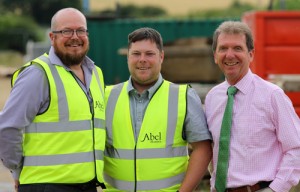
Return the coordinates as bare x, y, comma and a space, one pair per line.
234, 27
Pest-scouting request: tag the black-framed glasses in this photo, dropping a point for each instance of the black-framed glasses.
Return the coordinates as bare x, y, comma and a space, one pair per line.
70, 32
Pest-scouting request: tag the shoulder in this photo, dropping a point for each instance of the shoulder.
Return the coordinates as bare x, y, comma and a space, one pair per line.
99, 70
265, 86
109, 88
31, 71
219, 88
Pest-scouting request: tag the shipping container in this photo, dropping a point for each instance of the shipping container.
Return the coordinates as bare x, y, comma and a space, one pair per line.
107, 37
277, 49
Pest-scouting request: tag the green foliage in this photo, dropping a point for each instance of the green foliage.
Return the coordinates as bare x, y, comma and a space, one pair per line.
237, 9
132, 11
41, 11
21, 20
234, 11
49, 7
287, 5
15, 31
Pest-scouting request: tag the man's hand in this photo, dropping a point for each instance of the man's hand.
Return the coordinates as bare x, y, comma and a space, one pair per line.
268, 189
17, 183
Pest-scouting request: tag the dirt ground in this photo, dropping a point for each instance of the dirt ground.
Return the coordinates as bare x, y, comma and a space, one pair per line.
6, 180
4, 90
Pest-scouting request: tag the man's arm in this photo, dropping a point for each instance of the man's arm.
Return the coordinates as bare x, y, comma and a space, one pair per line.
288, 133
25, 101
199, 159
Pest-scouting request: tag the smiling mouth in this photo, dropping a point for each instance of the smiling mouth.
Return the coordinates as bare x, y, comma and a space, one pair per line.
75, 45
143, 68
231, 63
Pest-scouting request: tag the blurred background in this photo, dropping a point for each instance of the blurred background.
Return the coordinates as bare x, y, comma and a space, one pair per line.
186, 27
24, 27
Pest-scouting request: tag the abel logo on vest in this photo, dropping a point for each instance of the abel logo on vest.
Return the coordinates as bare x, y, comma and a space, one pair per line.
99, 105
152, 137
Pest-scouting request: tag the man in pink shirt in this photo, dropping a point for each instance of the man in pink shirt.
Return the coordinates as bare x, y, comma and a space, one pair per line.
264, 149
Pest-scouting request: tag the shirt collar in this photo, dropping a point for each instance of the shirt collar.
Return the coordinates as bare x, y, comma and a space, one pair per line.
151, 90
244, 83
55, 60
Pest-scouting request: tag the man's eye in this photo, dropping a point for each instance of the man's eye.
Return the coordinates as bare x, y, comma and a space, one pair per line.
81, 31
222, 48
67, 32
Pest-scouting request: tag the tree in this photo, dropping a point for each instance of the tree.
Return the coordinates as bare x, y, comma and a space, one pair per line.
133, 11
286, 5
40, 11
16, 30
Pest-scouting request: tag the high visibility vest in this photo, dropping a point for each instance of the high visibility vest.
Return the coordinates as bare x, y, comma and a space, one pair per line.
65, 144
158, 160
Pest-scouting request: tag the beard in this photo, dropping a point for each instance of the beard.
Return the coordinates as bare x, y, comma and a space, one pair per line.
70, 59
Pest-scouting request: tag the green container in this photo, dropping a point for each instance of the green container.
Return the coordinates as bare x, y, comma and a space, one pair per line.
108, 36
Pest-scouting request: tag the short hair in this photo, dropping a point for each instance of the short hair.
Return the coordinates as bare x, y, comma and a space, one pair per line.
233, 27
146, 33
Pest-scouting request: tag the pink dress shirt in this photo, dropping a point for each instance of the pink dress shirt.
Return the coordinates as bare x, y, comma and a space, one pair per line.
265, 134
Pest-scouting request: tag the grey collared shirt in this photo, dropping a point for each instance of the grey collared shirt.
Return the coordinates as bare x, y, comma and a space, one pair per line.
195, 126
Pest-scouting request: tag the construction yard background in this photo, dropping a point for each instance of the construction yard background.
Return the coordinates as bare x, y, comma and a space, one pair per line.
193, 48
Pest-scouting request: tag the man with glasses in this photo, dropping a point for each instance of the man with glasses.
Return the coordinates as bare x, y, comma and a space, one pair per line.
70, 32
52, 128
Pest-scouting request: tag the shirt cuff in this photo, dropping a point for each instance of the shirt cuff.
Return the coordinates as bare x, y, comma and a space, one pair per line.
279, 185
16, 173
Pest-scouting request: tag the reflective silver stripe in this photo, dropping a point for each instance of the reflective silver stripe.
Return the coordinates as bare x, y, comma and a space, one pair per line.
46, 160
99, 123
63, 108
64, 125
148, 153
112, 102
63, 105
144, 185
53, 127
130, 154
99, 155
172, 113
98, 81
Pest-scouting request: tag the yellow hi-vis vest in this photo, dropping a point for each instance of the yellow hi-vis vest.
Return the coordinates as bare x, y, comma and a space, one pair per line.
65, 144
158, 160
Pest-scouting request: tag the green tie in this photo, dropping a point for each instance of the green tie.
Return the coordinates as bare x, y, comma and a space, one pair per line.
222, 166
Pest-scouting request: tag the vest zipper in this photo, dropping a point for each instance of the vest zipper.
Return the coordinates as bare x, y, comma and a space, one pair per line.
91, 103
93, 130
135, 180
